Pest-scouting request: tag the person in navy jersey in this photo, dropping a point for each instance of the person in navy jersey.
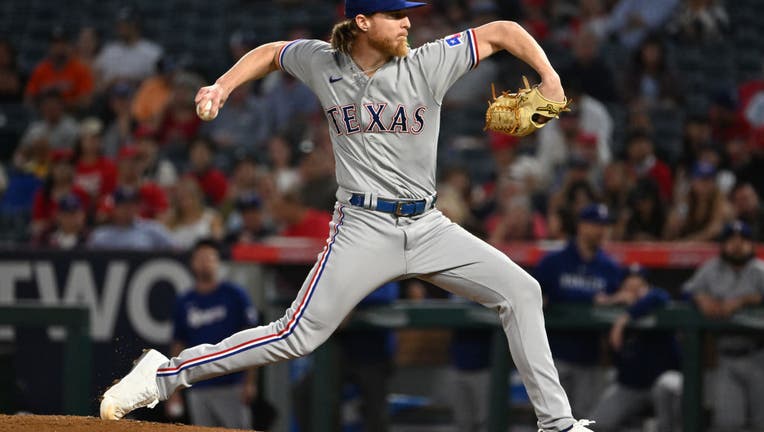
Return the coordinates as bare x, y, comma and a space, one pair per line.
211, 311
580, 273
641, 358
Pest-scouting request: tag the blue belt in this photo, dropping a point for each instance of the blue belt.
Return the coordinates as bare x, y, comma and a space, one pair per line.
398, 208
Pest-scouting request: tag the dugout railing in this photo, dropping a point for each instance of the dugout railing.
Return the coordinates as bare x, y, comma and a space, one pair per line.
76, 369
681, 318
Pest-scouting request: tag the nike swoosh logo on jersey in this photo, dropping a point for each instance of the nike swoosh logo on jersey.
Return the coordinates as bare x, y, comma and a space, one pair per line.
333, 80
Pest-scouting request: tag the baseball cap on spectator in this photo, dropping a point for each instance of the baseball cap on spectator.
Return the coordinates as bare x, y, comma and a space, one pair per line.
596, 214
121, 90
578, 162
368, 7
69, 203
248, 202
737, 227
703, 170
128, 14
125, 195
61, 155
127, 153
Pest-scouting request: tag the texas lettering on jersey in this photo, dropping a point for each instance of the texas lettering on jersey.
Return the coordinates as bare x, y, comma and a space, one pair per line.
348, 119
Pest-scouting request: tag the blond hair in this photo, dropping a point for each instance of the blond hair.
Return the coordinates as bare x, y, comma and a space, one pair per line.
344, 34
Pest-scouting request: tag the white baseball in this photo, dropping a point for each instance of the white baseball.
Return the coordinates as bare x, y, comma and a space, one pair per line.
205, 112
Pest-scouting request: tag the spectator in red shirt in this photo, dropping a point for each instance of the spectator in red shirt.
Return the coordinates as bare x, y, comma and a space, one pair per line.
94, 172
179, 123
212, 181
297, 219
63, 72
515, 220
535, 20
59, 183
153, 202
640, 153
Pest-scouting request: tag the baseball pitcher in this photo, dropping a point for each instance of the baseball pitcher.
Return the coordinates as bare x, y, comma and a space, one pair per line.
382, 102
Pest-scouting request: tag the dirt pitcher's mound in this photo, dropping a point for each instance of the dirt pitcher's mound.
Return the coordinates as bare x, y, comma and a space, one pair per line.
33, 423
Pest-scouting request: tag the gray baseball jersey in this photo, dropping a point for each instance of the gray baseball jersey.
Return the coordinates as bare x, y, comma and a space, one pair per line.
385, 131
384, 128
718, 279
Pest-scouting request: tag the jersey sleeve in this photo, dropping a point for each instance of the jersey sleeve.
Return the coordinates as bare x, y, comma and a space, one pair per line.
446, 60
298, 57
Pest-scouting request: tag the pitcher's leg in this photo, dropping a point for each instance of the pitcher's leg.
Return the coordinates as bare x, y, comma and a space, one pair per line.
465, 265
346, 271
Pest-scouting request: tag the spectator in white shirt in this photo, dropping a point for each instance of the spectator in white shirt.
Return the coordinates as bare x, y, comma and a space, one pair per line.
130, 57
590, 117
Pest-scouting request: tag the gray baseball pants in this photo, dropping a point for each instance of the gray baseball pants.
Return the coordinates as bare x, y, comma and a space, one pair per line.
366, 249
219, 407
739, 390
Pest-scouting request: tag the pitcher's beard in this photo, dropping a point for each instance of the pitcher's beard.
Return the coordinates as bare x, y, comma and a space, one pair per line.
391, 47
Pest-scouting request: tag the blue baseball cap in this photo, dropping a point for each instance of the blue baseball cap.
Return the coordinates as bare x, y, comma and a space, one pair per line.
595, 213
703, 170
248, 201
368, 7
123, 195
69, 203
737, 227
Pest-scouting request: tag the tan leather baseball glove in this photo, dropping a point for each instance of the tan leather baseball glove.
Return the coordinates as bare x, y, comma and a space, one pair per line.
522, 113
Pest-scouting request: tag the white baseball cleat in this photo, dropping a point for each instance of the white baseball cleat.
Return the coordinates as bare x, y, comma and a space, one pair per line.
579, 426
136, 390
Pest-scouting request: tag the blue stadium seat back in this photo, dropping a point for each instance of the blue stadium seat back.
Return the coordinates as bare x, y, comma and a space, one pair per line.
19, 194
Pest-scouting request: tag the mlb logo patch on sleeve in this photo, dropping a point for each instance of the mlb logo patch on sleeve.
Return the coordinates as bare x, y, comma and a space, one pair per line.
454, 40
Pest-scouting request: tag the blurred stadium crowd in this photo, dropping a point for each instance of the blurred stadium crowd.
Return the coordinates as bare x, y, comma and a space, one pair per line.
98, 126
